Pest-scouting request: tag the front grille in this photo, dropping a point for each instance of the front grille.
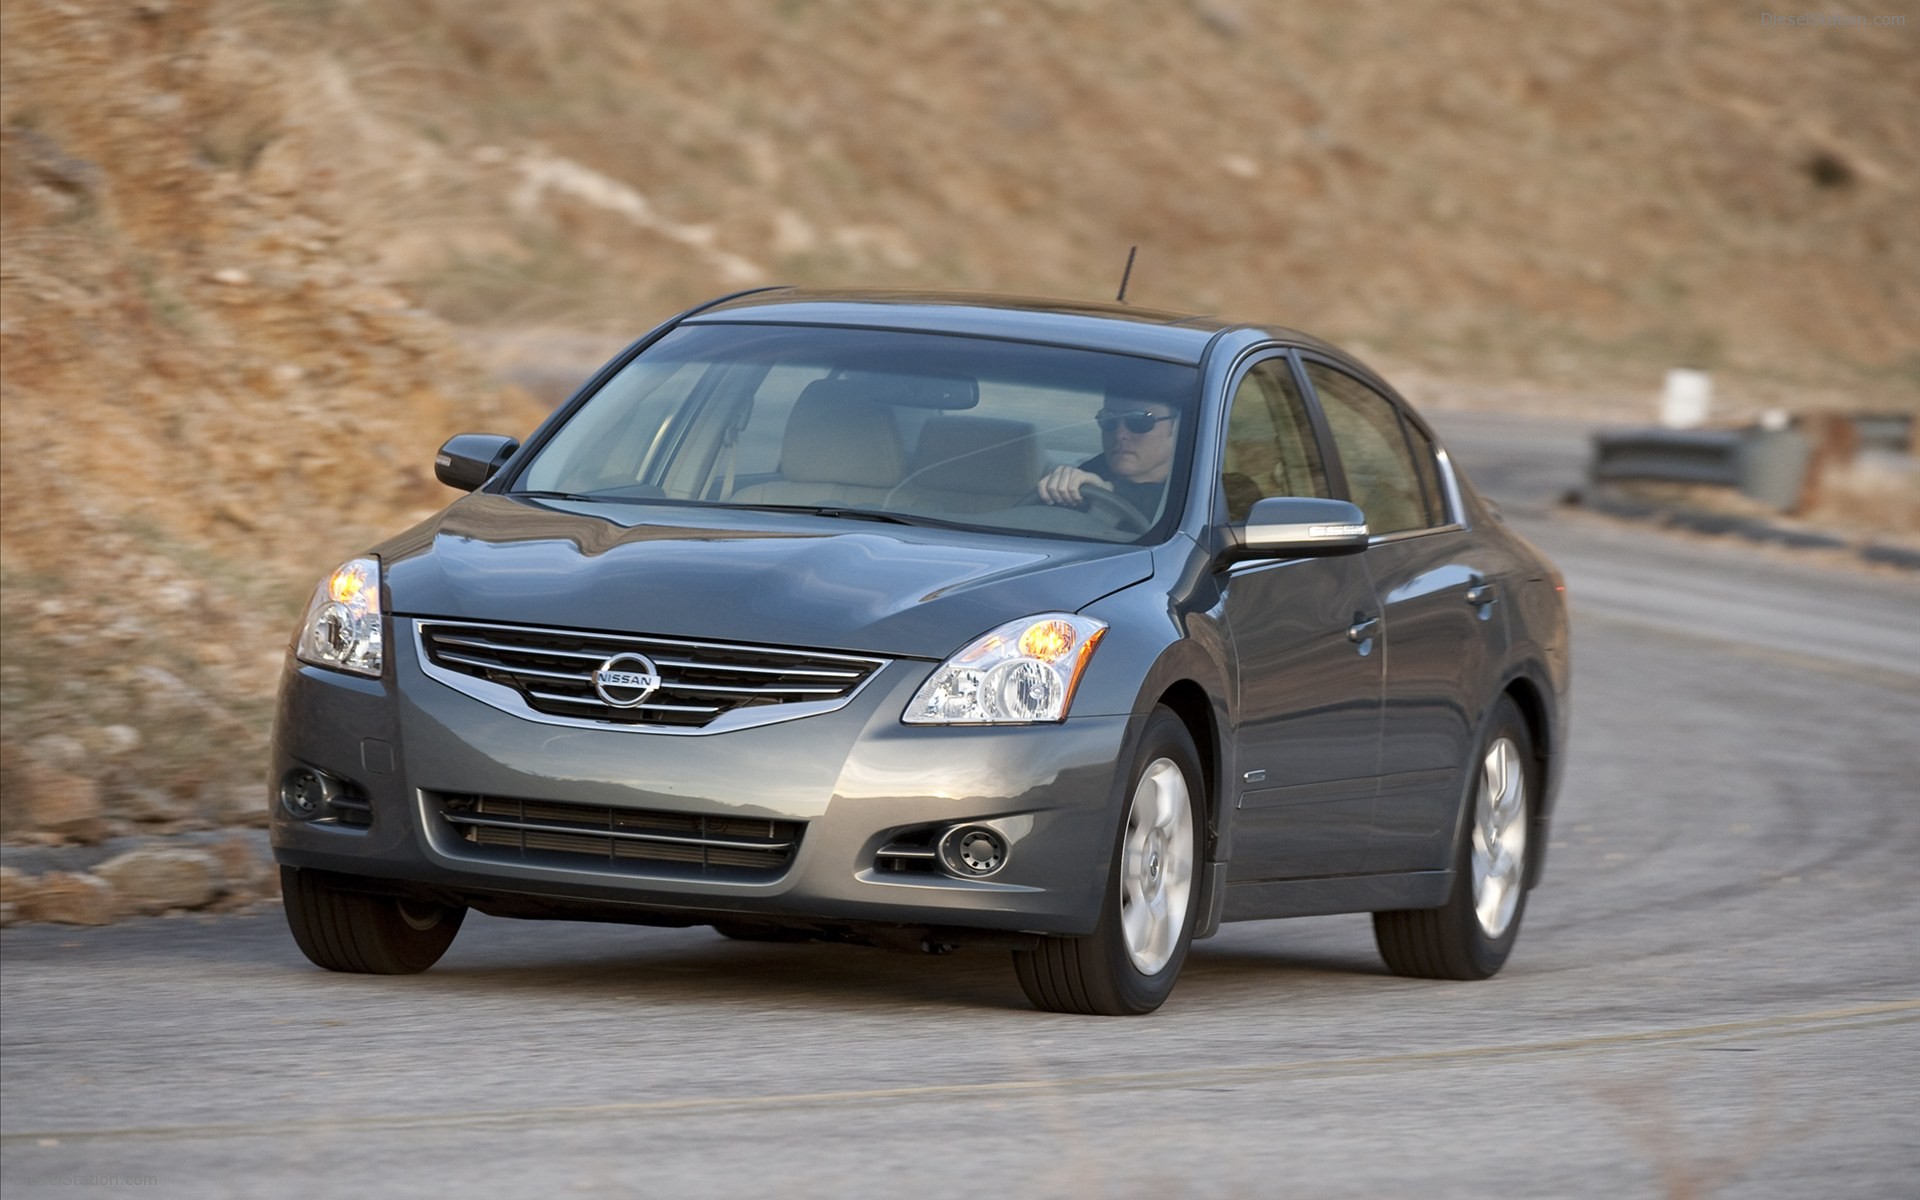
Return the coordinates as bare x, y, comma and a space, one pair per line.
656, 842
552, 672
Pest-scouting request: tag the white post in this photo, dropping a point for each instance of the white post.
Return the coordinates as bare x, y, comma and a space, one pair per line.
1687, 398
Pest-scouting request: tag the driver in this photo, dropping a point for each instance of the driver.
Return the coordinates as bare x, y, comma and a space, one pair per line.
1138, 438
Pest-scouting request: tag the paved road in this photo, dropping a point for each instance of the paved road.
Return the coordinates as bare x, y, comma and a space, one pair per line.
1717, 991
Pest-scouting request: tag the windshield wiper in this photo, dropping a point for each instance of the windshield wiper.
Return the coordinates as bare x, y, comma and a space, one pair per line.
813, 510
611, 497
853, 514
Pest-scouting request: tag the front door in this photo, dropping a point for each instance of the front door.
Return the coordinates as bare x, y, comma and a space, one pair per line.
1310, 664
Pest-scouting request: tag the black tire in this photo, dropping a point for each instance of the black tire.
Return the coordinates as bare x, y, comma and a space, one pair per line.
1097, 975
362, 933
1452, 942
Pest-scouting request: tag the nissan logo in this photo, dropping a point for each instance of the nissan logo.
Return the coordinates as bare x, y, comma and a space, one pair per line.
626, 680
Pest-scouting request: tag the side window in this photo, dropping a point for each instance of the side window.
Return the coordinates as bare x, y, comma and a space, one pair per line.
1373, 447
1428, 465
1270, 449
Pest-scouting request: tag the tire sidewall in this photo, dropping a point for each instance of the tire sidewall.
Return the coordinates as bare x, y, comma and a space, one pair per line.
1163, 736
1487, 953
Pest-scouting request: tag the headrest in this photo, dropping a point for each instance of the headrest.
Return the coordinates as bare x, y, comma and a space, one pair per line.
977, 455
837, 433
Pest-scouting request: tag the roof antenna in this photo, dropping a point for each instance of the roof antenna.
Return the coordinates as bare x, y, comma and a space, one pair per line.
1126, 275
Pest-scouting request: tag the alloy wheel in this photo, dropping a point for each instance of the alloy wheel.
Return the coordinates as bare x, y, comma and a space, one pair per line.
1156, 872
1499, 837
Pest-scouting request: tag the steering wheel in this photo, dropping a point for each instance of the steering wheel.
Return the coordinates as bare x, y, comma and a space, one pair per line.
1101, 501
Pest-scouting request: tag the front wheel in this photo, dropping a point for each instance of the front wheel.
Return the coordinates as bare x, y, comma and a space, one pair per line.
362, 933
1127, 966
1471, 935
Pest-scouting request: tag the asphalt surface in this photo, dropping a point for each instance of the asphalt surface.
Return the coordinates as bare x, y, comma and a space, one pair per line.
1716, 991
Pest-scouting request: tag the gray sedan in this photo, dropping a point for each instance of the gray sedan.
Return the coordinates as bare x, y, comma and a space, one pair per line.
928, 620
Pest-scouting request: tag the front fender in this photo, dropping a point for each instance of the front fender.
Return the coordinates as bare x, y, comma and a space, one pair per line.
1166, 644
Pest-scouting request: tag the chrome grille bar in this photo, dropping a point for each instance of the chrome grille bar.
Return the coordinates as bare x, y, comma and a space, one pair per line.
548, 674
771, 689
594, 702
530, 672
749, 670
478, 644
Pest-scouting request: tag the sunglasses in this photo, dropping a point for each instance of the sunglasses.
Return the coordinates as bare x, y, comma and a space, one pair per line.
1132, 422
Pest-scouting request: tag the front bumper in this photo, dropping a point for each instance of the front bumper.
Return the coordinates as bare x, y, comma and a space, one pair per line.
856, 779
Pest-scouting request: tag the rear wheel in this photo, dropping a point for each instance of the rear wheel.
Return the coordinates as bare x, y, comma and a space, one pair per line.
362, 933
1471, 935
1128, 964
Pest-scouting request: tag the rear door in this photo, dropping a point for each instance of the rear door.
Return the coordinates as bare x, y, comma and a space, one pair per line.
1309, 694
1440, 611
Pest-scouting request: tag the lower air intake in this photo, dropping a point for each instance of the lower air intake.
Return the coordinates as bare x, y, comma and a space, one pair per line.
644, 841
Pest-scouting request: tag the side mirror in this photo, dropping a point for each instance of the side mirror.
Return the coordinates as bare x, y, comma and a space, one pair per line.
470, 459
1302, 526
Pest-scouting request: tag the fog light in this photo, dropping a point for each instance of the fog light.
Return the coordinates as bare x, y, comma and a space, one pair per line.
308, 795
972, 851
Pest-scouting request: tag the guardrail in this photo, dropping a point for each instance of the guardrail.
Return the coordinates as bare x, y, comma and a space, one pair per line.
1769, 465
1781, 467
1892, 432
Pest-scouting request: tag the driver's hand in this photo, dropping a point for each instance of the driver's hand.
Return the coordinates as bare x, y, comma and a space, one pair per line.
1062, 485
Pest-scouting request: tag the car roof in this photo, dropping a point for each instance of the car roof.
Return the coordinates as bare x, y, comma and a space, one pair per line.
1090, 325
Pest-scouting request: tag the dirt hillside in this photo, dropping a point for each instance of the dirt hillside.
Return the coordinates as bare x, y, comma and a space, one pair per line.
249, 249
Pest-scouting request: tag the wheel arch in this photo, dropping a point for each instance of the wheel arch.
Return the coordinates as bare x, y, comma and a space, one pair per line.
1528, 696
1189, 701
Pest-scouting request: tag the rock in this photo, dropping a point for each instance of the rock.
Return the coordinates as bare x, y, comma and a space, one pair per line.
151, 805
1223, 19
14, 886
156, 878
75, 184
59, 802
67, 898
35, 837
243, 804
118, 739
241, 866
58, 750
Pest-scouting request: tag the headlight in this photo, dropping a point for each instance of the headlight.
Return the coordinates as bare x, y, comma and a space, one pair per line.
342, 626
1022, 672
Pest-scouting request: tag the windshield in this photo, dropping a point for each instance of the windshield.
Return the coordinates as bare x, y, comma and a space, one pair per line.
870, 424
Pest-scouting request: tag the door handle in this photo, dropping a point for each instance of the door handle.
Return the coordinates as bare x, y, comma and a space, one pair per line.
1363, 629
1480, 594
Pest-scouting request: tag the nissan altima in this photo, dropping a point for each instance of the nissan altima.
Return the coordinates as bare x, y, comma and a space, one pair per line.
933, 620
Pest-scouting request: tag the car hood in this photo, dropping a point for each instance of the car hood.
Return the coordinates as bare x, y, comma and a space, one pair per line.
739, 575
